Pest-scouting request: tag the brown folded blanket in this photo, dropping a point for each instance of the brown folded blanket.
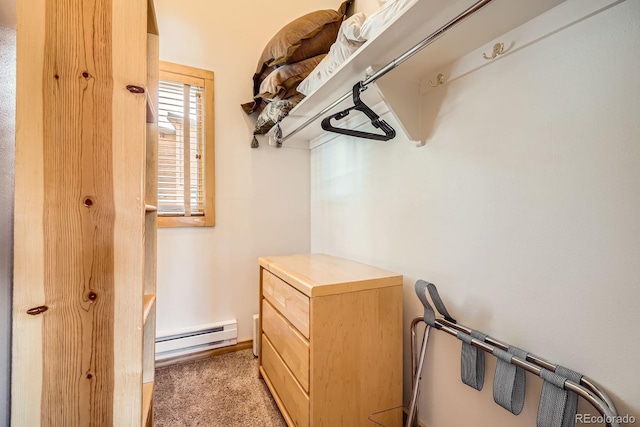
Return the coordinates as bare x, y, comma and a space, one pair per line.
282, 83
308, 36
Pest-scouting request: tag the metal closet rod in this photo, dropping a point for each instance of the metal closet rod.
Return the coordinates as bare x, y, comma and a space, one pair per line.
396, 62
587, 389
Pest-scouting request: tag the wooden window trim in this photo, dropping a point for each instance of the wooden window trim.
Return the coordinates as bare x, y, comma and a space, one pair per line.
204, 78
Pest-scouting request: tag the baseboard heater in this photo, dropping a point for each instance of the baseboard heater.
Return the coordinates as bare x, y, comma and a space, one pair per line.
192, 340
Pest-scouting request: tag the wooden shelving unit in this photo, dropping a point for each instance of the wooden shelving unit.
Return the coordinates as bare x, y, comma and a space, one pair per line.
85, 253
151, 109
149, 304
147, 404
151, 217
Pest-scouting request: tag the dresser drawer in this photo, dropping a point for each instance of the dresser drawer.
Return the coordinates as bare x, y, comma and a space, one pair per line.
290, 345
293, 397
293, 304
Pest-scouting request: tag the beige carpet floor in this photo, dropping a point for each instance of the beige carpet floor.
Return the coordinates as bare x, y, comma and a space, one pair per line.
223, 391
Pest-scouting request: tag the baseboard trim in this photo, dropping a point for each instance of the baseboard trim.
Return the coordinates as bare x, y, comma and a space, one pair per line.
201, 355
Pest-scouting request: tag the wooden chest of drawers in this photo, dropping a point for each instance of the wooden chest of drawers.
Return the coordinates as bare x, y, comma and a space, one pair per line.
331, 339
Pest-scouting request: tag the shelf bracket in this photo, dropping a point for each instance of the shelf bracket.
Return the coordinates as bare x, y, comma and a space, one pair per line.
402, 97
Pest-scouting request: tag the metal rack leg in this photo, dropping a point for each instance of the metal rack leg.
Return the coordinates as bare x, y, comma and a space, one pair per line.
417, 370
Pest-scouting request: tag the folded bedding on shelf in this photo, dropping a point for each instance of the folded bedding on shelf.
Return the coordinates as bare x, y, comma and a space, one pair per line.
282, 82
381, 17
353, 33
308, 36
288, 59
347, 42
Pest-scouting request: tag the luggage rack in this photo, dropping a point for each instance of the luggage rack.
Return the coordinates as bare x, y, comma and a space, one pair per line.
585, 388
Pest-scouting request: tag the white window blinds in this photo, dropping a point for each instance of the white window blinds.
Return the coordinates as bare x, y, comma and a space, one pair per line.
181, 146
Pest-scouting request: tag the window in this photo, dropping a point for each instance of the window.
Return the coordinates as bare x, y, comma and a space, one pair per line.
185, 147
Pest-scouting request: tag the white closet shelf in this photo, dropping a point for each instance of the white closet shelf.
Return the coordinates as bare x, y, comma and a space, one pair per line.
400, 89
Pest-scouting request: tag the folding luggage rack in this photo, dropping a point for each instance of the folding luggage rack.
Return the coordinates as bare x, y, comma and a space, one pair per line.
548, 413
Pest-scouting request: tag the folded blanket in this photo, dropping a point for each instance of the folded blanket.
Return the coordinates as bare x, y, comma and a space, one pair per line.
352, 34
348, 41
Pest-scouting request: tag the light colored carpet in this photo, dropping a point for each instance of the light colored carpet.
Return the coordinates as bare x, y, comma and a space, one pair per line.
223, 391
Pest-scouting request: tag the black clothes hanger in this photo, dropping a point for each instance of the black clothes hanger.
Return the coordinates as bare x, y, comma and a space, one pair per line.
376, 121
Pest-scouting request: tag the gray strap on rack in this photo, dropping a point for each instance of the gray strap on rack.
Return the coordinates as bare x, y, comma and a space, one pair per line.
509, 381
558, 406
429, 314
437, 301
472, 360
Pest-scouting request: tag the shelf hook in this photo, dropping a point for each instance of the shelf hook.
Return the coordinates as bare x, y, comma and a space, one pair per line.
498, 49
439, 80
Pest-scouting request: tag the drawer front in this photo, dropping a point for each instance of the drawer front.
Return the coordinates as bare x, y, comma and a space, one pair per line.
288, 342
293, 304
295, 400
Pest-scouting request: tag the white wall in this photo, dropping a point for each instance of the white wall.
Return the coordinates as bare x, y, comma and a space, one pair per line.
7, 142
8, 14
262, 195
366, 6
523, 207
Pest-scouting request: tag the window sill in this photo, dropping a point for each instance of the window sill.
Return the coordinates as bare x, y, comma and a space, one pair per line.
185, 221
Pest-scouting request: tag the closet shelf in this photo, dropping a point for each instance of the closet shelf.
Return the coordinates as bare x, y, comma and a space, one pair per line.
149, 302
400, 89
147, 398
